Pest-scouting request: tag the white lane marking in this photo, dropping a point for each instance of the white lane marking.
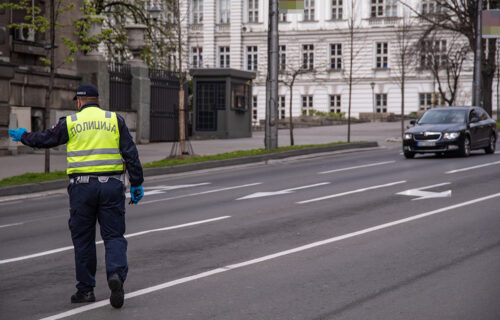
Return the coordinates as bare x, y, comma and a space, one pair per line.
351, 192
268, 257
45, 253
11, 225
202, 193
147, 193
474, 167
358, 167
162, 188
181, 186
275, 193
418, 192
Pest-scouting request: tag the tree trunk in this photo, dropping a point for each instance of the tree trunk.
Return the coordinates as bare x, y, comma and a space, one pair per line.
488, 75
182, 127
403, 100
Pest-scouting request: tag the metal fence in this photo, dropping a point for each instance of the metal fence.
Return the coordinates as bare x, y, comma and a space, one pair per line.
120, 87
164, 123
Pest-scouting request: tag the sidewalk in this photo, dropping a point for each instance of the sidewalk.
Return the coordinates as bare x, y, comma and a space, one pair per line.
380, 132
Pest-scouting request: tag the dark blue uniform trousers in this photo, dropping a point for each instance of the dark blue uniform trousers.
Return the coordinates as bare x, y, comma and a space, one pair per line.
103, 202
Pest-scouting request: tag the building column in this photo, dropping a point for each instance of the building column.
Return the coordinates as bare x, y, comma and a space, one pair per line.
209, 21
141, 99
236, 34
93, 69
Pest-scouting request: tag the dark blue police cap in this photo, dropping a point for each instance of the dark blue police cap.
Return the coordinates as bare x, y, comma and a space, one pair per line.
86, 90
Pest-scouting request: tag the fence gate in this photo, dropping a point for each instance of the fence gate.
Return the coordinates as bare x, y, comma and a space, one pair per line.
120, 87
164, 123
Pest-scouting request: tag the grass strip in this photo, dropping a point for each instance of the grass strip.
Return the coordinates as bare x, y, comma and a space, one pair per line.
230, 155
34, 177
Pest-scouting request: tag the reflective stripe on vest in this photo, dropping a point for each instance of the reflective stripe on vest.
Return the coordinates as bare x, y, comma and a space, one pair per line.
94, 142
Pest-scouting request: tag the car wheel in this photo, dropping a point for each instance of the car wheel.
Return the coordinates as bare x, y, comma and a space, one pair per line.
409, 155
465, 150
492, 146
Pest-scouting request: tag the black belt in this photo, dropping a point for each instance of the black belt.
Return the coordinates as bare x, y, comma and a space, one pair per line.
102, 179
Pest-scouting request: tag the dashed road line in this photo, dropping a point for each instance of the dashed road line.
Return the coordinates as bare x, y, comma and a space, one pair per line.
352, 192
358, 167
45, 253
202, 193
473, 167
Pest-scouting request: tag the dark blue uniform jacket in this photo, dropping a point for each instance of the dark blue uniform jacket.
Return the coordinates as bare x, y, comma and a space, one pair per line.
58, 135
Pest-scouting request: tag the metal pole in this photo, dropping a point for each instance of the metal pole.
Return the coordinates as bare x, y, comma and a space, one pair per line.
271, 140
476, 97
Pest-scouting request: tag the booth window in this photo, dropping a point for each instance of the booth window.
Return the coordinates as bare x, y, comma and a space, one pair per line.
239, 97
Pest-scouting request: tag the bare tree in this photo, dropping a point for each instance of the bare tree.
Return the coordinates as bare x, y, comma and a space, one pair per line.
460, 16
289, 75
404, 58
352, 26
174, 6
444, 58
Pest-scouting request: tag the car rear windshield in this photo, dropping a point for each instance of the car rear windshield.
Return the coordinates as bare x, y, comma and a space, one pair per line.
443, 116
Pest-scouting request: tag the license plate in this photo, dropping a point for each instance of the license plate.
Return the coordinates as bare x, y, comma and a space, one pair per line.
426, 144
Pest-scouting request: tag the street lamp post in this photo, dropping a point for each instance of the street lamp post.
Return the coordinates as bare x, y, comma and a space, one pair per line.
372, 84
155, 14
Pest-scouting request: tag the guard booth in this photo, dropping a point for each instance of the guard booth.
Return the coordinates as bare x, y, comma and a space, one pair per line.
221, 103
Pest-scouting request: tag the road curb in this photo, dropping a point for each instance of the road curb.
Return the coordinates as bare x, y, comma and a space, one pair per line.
63, 183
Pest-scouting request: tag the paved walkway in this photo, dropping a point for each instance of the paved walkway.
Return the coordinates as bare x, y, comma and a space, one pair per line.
380, 132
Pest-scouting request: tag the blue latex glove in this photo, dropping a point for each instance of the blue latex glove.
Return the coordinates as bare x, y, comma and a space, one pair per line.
136, 194
16, 134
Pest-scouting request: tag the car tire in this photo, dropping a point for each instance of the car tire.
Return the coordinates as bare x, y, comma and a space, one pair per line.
409, 155
465, 149
492, 144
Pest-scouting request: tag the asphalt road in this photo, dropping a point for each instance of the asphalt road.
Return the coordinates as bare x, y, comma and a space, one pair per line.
326, 237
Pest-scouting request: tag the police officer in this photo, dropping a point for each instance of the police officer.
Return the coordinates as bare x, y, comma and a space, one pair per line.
97, 141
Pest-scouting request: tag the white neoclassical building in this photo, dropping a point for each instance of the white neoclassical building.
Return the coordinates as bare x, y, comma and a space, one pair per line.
233, 34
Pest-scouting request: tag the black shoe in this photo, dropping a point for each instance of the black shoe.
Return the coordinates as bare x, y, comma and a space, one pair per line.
117, 297
81, 296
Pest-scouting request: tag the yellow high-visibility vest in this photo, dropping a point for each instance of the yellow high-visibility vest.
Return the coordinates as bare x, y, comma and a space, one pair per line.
94, 142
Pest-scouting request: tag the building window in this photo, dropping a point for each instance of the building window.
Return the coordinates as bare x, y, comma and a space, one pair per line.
308, 56
428, 100
224, 57
430, 7
384, 8
281, 107
308, 10
381, 102
307, 105
382, 55
377, 8
433, 54
255, 114
171, 62
197, 54
337, 9
335, 103
197, 11
252, 57
336, 56
282, 54
253, 11
283, 17
225, 11
391, 8
424, 101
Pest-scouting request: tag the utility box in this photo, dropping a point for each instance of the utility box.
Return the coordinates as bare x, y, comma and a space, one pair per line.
221, 103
